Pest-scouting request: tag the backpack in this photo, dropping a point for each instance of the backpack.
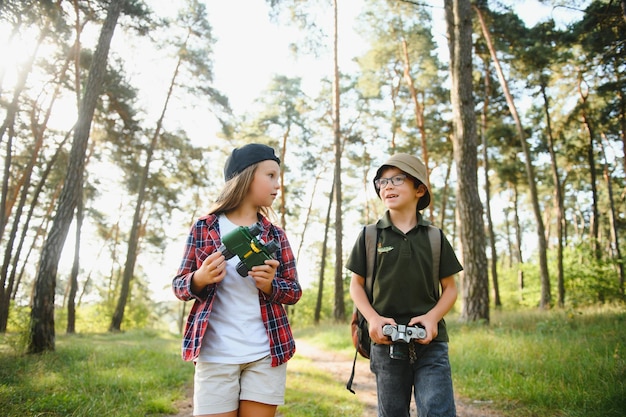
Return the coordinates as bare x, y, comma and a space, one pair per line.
360, 331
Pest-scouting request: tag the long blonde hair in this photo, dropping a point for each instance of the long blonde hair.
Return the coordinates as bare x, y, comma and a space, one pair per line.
234, 192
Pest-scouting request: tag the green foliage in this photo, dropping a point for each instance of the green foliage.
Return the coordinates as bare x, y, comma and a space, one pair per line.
138, 373
568, 363
530, 362
304, 310
588, 280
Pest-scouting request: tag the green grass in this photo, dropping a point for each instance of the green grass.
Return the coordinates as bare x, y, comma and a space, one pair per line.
544, 363
313, 393
532, 363
525, 363
139, 373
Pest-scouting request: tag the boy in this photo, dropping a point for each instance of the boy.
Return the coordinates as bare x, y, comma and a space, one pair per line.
404, 294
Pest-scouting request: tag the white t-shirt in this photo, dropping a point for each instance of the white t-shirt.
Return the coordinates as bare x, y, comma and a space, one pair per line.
235, 332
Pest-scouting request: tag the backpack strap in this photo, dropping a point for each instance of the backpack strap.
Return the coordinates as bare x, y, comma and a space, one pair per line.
371, 237
434, 236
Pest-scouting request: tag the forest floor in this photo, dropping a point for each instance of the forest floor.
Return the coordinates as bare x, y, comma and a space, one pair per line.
364, 385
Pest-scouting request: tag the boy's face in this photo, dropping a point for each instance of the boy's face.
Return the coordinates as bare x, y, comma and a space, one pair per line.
402, 197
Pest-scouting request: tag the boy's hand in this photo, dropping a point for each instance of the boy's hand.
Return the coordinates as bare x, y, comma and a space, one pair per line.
263, 275
430, 325
376, 330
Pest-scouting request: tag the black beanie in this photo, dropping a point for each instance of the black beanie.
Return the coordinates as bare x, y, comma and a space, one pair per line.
242, 158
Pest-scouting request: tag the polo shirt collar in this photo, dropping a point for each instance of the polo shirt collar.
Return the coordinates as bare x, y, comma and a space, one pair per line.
385, 221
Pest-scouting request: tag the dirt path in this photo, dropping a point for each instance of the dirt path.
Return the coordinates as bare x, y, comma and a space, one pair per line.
364, 385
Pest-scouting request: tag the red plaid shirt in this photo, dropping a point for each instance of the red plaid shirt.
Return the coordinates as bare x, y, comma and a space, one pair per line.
204, 239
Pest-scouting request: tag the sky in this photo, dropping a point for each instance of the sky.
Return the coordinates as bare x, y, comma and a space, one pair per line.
250, 49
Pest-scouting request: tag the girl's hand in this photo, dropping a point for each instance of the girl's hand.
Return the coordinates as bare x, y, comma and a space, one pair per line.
212, 270
263, 275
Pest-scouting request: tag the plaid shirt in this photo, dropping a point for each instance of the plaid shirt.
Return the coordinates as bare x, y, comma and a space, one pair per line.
204, 239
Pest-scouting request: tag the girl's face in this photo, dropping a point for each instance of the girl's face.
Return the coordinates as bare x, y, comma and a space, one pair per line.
264, 187
399, 197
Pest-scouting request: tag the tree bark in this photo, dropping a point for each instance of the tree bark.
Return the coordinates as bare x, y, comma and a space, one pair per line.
594, 222
492, 236
339, 311
541, 236
419, 118
617, 254
320, 289
41, 329
73, 281
558, 197
135, 231
475, 282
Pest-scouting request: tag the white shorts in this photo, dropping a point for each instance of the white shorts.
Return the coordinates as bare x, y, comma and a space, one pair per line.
218, 387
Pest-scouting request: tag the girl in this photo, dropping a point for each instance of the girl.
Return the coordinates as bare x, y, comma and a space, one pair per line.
237, 332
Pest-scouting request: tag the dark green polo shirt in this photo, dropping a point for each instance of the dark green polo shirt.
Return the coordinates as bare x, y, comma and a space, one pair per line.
403, 283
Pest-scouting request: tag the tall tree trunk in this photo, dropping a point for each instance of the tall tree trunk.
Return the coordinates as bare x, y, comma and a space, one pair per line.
475, 282
305, 225
622, 112
6, 204
594, 222
73, 281
558, 197
492, 236
41, 331
617, 255
14, 278
541, 236
22, 188
320, 287
419, 117
135, 231
339, 311
446, 190
518, 241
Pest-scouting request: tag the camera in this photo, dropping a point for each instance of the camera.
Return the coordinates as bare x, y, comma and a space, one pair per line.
252, 251
401, 335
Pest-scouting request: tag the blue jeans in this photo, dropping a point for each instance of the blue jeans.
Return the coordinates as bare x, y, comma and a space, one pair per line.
429, 377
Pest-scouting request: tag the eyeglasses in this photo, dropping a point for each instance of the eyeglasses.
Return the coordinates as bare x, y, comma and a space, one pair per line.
395, 180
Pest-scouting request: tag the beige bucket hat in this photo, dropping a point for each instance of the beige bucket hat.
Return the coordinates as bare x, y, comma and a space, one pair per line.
411, 165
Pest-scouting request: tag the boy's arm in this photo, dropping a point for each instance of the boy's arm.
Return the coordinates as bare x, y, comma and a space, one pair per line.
431, 319
362, 303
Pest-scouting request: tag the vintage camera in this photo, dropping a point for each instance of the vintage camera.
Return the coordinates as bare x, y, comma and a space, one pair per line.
252, 251
401, 335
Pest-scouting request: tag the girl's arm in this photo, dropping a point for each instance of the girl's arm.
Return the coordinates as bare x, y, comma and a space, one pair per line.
193, 281
285, 288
